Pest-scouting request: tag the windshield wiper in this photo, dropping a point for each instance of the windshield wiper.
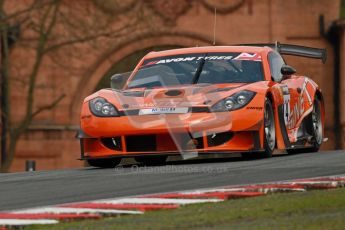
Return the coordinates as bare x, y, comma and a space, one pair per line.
199, 70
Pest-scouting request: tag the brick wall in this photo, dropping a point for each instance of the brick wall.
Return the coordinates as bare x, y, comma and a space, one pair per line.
341, 25
52, 143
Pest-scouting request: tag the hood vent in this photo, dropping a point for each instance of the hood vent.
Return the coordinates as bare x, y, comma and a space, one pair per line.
133, 93
173, 93
221, 89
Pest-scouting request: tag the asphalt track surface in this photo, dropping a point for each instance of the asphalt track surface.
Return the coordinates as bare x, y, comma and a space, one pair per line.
32, 189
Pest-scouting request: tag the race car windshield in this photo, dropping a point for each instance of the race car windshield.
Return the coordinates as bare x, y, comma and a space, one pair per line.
216, 68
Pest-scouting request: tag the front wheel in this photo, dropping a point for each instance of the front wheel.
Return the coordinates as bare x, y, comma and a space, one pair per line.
269, 130
104, 163
269, 133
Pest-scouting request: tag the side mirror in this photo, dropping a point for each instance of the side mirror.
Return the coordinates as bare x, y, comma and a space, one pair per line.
116, 80
287, 70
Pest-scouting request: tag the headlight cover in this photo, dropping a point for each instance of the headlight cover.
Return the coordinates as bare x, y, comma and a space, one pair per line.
100, 107
234, 102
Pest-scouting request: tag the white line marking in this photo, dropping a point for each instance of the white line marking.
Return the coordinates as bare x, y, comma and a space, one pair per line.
233, 188
156, 201
13, 222
60, 210
255, 189
205, 191
333, 183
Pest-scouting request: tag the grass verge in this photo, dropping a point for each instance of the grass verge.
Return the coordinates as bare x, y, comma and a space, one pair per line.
309, 210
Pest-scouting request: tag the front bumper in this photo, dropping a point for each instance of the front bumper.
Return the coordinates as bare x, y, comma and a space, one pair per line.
166, 144
171, 134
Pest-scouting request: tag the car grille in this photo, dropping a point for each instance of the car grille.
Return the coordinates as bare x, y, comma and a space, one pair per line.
164, 142
141, 143
113, 143
219, 138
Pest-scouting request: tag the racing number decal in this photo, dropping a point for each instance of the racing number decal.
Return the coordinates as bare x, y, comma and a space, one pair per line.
292, 116
286, 97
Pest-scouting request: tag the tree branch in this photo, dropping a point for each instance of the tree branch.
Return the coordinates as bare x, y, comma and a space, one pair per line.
48, 107
40, 53
86, 38
35, 6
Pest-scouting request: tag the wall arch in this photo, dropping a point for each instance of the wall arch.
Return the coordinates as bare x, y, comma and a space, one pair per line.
89, 81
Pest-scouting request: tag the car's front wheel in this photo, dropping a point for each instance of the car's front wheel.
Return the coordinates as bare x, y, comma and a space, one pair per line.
269, 130
104, 163
269, 134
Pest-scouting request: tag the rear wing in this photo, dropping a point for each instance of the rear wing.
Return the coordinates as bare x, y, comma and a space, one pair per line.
295, 50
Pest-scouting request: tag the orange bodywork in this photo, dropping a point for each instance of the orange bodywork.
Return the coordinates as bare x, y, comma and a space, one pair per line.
241, 130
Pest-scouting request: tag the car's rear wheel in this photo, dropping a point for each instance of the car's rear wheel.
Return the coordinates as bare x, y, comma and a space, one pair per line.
315, 127
151, 160
104, 163
269, 133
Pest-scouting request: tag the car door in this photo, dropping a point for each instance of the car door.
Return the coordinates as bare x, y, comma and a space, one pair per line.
289, 88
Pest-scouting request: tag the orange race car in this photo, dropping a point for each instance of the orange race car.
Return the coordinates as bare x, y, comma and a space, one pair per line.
205, 100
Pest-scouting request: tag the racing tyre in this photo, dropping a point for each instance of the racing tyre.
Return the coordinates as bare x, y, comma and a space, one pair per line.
104, 163
269, 130
151, 160
315, 127
269, 134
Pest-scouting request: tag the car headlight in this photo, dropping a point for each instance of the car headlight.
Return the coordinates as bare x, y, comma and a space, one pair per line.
235, 101
102, 108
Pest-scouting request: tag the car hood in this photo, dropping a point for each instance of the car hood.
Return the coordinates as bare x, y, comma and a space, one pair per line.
199, 95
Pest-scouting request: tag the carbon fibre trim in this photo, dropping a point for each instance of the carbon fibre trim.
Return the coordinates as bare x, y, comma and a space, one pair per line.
81, 134
257, 144
81, 148
170, 154
200, 110
282, 126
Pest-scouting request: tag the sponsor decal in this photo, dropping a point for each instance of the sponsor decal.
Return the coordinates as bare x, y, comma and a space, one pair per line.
296, 113
255, 108
248, 57
146, 105
241, 56
163, 110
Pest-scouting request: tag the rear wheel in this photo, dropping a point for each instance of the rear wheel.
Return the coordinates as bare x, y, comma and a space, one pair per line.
152, 160
104, 163
315, 128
